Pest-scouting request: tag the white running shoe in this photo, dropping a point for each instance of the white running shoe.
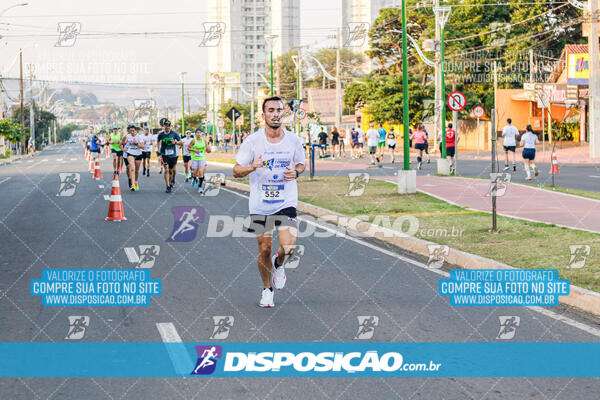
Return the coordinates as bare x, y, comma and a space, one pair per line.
279, 276
267, 299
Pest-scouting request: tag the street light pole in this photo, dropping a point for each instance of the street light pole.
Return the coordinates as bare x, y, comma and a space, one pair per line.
271, 39
405, 120
594, 81
442, 14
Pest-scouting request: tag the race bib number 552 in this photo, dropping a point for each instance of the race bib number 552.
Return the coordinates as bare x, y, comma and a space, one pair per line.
272, 193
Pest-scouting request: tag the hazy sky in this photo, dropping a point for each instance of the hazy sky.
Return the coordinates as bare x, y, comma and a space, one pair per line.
116, 53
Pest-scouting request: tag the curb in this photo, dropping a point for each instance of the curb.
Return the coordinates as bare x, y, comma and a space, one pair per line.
11, 160
580, 298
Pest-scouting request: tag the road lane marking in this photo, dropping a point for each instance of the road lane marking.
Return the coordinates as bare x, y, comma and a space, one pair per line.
73, 159
101, 186
106, 197
551, 314
4, 180
179, 356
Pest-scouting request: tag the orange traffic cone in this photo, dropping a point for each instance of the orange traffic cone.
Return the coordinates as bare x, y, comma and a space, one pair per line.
91, 166
115, 209
554, 166
97, 171
87, 154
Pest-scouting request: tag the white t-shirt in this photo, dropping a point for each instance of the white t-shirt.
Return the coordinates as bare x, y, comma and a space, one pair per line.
131, 145
510, 135
147, 142
361, 135
269, 192
529, 140
154, 139
186, 143
372, 137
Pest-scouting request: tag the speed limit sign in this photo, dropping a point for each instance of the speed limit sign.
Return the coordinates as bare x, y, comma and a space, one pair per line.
300, 113
457, 101
478, 111
220, 123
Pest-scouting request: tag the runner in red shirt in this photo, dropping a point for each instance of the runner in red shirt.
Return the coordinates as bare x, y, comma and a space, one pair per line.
452, 139
419, 138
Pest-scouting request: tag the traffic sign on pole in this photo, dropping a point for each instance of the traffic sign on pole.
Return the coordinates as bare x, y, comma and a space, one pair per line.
220, 123
300, 113
233, 114
457, 101
478, 111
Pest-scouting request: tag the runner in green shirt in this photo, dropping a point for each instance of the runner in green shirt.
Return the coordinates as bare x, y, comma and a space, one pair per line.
198, 150
116, 149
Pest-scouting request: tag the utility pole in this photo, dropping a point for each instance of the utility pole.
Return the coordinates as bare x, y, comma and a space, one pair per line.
438, 80
31, 68
182, 74
405, 117
338, 81
531, 65
594, 81
21, 92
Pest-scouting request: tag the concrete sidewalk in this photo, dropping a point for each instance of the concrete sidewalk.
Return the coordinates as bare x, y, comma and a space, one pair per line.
519, 201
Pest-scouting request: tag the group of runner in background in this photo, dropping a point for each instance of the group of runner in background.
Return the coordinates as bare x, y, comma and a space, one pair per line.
134, 149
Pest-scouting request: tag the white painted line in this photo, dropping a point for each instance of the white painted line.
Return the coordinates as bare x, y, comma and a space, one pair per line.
29, 161
73, 159
551, 314
594, 176
179, 356
44, 160
5, 179
59, 159
107, 197
101, 186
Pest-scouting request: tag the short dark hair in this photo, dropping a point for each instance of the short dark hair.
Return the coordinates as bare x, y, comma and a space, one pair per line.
450, 126
509, 121
274, 98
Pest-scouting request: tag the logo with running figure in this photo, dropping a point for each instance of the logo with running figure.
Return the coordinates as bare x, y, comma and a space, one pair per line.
357, 34
222, 326
358, 183
207, 359
67, 33
213, 32
437, 255
579, 254
146, 257
77, 326
213, 182
508, 327
498, 183
269, 163
366, 326
297, 251
185, 225
68, 183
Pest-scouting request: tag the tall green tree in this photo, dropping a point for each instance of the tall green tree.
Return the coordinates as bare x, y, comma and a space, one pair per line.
43, 122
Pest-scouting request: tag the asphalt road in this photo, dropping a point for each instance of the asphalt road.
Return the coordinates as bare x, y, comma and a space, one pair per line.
338, 280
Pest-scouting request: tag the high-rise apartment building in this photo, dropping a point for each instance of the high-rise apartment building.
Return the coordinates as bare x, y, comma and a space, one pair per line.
251, 27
